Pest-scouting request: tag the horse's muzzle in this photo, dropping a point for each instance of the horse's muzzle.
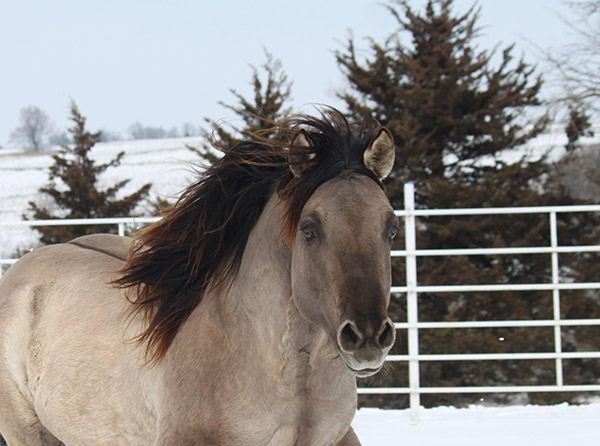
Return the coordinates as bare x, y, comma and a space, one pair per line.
364, 351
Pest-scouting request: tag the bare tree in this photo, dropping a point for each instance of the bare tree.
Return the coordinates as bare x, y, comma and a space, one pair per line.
34, 129
139, 131
577, 64
579, 173
189, 129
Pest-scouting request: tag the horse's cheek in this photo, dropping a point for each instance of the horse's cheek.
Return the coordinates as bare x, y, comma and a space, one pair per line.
309, 289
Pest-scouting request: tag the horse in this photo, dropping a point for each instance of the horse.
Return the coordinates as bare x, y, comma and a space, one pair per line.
242, 317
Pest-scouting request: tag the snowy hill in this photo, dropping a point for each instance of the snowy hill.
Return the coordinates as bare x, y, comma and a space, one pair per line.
551, 143
166, 163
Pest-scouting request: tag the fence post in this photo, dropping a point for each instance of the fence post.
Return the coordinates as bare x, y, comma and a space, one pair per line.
121, 229
556, 299
412, 313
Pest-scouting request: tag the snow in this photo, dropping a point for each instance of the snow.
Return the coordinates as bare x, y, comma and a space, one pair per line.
477, 426
166, 163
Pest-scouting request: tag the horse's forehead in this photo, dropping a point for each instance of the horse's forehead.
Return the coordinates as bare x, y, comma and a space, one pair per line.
348, 198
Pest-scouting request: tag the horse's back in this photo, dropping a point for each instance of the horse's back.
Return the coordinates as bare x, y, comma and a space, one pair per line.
62, 331
111, 245
83, 259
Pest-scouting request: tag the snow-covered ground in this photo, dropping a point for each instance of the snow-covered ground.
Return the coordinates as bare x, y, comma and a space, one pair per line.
560, 425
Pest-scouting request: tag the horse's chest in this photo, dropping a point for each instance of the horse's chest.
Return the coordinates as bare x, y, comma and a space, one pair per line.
308, 426
305, 400
293, 435
316, 412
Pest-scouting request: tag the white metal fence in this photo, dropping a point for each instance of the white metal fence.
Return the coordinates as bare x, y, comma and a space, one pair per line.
122, 223
412, 290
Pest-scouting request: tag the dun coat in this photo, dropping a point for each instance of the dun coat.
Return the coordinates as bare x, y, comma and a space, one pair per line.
243, 317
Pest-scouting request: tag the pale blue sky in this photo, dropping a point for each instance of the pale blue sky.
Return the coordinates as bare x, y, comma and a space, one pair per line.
164, 63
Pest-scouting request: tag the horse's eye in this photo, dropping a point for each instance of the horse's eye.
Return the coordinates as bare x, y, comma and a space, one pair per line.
309, 234
393, 233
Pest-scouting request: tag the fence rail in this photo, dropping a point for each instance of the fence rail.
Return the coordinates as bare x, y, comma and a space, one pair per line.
120, 222
412, 290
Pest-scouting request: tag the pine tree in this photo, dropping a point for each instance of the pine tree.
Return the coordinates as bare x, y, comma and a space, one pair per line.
578, 126
452, 112
272, 92
445, 104
73, 188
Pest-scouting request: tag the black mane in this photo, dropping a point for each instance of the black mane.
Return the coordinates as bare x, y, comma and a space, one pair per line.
203, 236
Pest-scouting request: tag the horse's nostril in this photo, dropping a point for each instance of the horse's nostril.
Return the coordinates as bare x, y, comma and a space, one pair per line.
349, 337
350, 333
387, 336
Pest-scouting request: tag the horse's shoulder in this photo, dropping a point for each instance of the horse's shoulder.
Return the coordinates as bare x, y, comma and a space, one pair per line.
111, 245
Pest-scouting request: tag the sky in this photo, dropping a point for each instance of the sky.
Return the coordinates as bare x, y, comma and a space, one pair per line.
164, 63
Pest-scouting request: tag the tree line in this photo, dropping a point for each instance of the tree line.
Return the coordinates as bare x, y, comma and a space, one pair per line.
36, 131
452, 111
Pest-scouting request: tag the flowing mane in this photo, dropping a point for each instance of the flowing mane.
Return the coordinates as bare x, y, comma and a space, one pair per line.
201, 239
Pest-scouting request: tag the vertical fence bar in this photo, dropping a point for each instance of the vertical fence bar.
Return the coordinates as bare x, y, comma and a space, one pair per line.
412, 313
121, 229
556, 299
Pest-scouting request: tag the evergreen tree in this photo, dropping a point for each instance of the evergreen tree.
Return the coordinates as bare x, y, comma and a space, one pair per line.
452, 112
73, 188
578, 125
445, 104
272, 92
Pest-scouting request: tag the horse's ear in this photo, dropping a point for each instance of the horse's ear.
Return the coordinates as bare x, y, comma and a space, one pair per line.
301, 154
379, 156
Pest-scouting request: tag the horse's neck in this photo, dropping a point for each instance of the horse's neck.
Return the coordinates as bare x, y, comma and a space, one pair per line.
261, 291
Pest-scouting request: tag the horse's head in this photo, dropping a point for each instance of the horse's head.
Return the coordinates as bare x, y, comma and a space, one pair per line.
337, 221
341, 273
